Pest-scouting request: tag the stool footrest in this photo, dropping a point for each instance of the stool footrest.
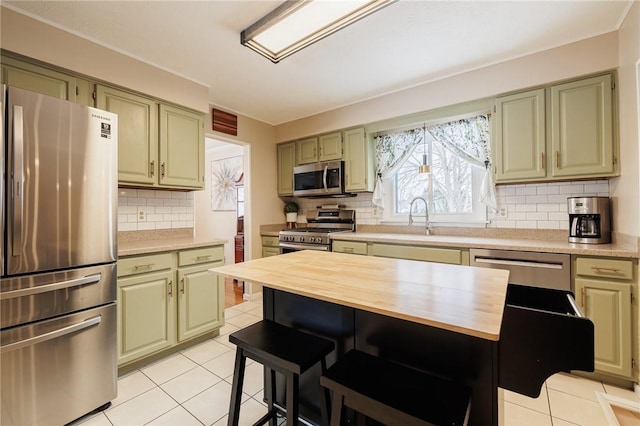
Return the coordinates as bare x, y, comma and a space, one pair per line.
394, 394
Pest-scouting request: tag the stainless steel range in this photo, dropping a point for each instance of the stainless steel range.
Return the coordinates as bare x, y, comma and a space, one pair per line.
316, 235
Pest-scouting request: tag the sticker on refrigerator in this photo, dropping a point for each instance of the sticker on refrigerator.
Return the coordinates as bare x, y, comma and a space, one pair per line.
105, 130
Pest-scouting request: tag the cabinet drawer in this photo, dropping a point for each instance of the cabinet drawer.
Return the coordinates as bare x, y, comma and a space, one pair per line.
428, 254
203, 255
143, 264
270, 242
605, 268
349, 247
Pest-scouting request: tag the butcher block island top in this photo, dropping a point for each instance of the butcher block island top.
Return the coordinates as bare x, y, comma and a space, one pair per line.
463, 299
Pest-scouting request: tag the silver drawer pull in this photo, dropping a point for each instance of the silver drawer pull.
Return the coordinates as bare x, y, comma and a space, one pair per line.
609, 270
348, 249
51, 335
147, 266
30, 291
203, 257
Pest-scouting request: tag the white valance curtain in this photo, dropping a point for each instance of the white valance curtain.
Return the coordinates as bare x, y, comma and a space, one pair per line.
392, 149
467, 138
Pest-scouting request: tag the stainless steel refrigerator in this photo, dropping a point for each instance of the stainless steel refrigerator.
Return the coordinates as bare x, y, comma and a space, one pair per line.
58, 345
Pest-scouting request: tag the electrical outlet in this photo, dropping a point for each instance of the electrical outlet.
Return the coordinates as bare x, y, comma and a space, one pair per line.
142, 217
502, 212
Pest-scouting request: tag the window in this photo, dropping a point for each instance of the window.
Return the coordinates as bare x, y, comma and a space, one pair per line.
453, 188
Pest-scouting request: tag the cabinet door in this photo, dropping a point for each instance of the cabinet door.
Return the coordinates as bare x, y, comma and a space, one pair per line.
358, 162
200, 300
181, 148
146, 315
581, 127
137, 134
38, 79
307, 151
286, 162
520, 136
608, 305
330, 147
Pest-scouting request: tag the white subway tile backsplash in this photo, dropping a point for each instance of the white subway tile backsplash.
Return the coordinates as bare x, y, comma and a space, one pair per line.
161, 209
545, 210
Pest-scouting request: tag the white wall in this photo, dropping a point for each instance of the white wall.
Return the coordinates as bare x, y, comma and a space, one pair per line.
216, 224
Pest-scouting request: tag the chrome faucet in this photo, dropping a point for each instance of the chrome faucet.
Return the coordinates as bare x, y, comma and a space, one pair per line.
427, 227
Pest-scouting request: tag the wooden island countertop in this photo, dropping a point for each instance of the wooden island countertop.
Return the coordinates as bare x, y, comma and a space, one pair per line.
462, 299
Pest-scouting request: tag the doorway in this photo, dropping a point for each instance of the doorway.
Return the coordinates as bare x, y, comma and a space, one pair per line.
219, 208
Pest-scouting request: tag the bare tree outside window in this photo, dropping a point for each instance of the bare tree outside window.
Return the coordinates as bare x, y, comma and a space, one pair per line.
450, 178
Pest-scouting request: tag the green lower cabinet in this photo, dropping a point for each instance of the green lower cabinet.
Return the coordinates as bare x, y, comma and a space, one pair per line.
428, 254
270, 251
200, 300
146, 315
608, 305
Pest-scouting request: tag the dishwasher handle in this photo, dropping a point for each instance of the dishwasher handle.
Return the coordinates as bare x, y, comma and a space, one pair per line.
525, 263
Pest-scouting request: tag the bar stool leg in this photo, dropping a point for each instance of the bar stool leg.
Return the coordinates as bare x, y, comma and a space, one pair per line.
270, 387
324, 397
292, 399
336, 409
236, 388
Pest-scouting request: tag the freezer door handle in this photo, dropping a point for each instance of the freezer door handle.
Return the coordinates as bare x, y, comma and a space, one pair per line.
17, 178
51, 335
89, 279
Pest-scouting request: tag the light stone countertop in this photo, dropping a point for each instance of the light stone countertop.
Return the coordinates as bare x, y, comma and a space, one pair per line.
547, 241
147, 242
621, 249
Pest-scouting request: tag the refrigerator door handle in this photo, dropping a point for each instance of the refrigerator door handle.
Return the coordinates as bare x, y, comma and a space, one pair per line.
51, 335
17, 178
90, 279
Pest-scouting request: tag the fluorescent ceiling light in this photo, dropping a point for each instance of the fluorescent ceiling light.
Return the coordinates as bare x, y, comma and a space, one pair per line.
296, 24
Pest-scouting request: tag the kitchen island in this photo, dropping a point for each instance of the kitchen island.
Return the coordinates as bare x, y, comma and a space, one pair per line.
445, 319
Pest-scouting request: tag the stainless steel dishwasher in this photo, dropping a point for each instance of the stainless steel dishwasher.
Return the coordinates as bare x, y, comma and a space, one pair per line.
545, 270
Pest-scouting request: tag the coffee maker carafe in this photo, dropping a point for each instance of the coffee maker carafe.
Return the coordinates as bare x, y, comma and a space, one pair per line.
589, 220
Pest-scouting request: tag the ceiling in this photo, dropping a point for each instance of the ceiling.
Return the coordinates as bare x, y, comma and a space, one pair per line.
405, 44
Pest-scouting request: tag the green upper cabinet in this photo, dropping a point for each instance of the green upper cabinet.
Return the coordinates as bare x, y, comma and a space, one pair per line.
358, 161
520, 136
38, 79
581, 127
158, 145
306, 151
137, 134
181, 148
560, 132
330, 147
286, 162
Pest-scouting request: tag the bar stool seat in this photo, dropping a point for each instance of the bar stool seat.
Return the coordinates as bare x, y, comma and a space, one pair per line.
283, 349
393, 394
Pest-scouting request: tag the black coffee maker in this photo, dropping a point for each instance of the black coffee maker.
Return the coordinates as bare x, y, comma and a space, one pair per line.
589, 220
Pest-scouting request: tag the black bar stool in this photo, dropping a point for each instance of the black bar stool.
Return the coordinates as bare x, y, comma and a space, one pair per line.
393, 394
283, 349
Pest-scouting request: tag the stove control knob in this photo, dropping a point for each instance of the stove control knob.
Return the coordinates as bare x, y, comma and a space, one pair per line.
312, 239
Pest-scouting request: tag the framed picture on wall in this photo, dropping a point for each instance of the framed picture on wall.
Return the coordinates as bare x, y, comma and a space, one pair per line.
226, 175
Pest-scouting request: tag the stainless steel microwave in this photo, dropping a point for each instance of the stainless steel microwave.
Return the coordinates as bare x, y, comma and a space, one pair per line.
318, 179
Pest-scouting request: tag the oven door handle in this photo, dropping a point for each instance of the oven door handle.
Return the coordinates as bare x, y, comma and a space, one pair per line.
324, 178
52, 334
317, 247
90, 279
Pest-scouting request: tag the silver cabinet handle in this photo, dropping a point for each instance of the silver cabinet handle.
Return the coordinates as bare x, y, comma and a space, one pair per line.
601, 269
162, 170
52, 334
170, 288
208, 256
182, 286
152, 167
89, 279
17, 178
146, 266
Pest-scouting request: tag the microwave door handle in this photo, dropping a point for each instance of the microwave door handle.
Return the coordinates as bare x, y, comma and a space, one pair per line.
324, 178
17, 178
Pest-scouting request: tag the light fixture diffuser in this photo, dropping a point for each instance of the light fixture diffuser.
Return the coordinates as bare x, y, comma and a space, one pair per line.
296, 24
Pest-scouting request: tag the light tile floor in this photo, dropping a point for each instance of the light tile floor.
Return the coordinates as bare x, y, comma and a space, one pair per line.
193, 387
